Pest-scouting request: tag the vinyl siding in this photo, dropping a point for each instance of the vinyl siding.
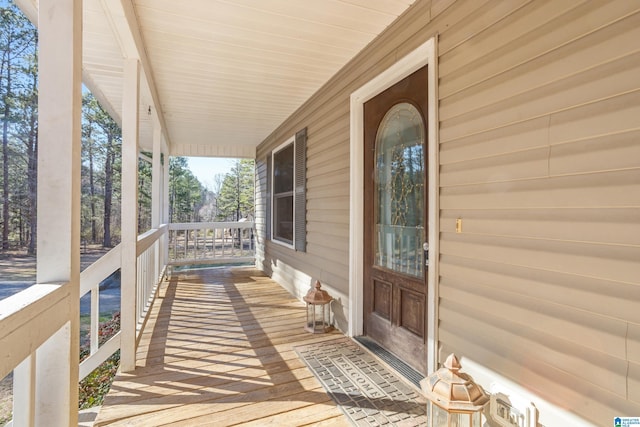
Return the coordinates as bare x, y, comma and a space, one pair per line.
539, 131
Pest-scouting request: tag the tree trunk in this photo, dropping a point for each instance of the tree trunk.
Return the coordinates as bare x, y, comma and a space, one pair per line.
33, 184
5, 158
92, 192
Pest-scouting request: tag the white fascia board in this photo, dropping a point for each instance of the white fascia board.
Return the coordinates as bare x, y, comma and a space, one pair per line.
124, 24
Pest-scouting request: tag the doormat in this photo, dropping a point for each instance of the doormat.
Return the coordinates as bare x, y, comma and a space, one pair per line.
367, 392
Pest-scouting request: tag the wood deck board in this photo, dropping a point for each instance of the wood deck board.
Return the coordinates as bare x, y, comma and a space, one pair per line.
217, 350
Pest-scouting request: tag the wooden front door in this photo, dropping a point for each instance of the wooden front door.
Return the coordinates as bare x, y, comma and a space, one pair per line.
395, 206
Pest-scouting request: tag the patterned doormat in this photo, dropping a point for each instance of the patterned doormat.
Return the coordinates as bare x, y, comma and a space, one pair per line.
369, 393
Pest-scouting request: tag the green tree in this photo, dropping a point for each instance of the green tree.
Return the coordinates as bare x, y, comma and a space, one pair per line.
144, 194
112, 173
27, 133
186, 192
101, 157
17, 47
236, 196
90, 153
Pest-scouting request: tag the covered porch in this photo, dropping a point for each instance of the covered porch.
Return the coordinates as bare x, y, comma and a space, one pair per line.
530, 177
218, 349
150, 65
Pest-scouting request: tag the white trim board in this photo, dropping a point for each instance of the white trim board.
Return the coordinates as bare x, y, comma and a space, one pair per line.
426, 54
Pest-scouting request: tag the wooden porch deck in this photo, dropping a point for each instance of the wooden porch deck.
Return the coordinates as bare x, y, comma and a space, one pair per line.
217, 350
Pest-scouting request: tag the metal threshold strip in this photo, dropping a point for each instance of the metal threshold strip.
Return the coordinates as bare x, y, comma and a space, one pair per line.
392, 360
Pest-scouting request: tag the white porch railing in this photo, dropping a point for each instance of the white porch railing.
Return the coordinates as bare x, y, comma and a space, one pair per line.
151, 269
211, 242
90, 280
30, 318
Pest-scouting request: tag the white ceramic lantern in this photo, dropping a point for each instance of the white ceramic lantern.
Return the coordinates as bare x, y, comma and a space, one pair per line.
454, 399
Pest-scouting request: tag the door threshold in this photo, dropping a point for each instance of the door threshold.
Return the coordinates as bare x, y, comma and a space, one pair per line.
410, 374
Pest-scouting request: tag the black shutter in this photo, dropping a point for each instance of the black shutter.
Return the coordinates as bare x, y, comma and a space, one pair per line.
267, 216
300, 210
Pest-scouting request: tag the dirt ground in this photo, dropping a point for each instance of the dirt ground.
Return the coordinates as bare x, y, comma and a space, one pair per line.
6, 399
17, 266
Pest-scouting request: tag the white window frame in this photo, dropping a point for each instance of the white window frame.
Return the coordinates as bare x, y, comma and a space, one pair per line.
274, 239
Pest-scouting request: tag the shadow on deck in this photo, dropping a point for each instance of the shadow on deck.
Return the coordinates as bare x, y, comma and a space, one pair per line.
217, 350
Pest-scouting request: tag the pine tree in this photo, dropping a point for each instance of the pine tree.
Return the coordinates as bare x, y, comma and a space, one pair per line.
236, 197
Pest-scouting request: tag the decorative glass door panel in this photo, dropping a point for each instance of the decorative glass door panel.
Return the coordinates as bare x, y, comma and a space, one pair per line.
399, 182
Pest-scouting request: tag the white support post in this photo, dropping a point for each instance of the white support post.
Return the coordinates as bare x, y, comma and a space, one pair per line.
156, 196
128, 295
54, 367
165, 199
165, 183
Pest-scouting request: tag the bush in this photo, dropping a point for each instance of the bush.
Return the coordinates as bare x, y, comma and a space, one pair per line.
96, 385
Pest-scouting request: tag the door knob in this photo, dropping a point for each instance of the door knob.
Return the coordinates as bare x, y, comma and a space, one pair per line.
425, 247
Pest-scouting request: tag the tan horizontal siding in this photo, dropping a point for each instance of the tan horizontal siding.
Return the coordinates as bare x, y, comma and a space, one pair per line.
332, 203
600, 152
329, 191
509, 112
616, 300
532, 163
540, 116
603, 189
565, 327
328, 180
522, 362
481, 21
327, 241
515, 42
613, 262
329, 229
634, 343
596, 83
332, 216
612, 226
333, 159
539, 123
634, 362
613, 115
516, 137
634, 382
538, 340
565, 69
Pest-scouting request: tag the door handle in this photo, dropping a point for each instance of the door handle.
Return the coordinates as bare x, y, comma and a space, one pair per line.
425, 248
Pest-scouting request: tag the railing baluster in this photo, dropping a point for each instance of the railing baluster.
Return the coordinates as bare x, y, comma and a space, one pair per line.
230, 241
186, 242
95, 318
196, 238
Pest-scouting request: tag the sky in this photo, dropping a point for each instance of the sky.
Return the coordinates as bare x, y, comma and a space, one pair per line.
206, 168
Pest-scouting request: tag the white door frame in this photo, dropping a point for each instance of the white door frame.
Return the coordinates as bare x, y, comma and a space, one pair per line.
424, 55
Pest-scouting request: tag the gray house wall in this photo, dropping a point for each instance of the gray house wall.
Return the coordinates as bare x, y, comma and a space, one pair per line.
539, 132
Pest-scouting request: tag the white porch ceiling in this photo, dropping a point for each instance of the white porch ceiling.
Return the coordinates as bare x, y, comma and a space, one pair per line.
221, 75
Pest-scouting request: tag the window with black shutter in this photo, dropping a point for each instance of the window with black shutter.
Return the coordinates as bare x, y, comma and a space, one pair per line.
286, 204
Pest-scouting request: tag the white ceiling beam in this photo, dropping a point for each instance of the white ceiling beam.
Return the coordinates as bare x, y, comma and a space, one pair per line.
124, 24
29, 8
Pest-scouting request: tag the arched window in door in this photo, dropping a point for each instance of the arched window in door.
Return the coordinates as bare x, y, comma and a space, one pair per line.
399, 180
